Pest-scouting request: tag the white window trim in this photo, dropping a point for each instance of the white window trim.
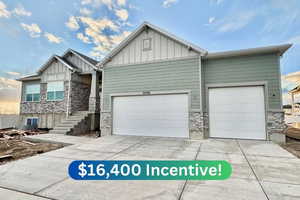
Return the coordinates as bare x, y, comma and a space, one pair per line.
25, 96
55, 91
31, 118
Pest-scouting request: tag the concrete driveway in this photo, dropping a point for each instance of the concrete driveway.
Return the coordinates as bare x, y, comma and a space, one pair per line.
261, 170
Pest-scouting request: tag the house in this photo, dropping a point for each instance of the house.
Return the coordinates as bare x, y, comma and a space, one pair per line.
64, 95
156, 84
295, 106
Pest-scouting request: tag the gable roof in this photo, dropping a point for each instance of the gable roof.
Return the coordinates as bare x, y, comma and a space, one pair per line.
140, 29
60, 59
83, 57
30, 77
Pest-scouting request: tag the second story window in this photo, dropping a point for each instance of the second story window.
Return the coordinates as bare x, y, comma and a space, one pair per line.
55, 91
32, 92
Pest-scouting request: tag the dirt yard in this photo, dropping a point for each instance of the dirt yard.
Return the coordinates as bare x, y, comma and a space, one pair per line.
15, 149
292, 140
13, 146
293, 146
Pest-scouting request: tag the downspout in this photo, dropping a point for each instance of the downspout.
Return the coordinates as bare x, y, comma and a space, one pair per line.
200, 83
69, 88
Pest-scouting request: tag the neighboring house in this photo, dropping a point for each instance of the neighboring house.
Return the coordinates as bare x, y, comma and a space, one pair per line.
295, 106
64, 85
155, 84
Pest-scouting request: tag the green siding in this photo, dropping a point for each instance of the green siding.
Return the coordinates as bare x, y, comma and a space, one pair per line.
245, 69
162, 76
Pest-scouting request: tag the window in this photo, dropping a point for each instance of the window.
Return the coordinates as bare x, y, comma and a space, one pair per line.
32, 122
32, 92
55, 91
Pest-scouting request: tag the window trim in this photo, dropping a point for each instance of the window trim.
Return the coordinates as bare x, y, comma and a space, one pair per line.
25, 94
48, 100
31, 118
150, 44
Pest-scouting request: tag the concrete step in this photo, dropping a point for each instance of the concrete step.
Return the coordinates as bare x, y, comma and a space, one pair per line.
63, 127
66, 125
58, 132
70, 123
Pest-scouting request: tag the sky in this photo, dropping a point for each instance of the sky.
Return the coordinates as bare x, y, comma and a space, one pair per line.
33, 30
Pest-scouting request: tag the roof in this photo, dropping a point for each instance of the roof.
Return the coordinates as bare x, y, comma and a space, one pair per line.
29, 77
60, 59
141, 28
280, 49
295, 90
83, 57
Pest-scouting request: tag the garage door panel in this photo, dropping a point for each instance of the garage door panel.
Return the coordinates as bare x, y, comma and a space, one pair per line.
237, 112
155, 115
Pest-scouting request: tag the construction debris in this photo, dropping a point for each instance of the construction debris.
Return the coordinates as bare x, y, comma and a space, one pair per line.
16, 133
13, 146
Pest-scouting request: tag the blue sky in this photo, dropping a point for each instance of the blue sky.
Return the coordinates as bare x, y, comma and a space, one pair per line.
32, 30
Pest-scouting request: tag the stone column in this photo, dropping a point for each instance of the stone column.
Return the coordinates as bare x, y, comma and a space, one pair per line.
94, 101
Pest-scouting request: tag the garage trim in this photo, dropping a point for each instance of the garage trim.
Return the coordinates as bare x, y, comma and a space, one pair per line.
150, 93
264, 84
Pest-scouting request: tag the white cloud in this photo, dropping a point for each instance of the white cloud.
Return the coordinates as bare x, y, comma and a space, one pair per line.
168, 3
211, 20
116, 39
85, 11
96, 54
237, 22
33, 29
3, 11
72, 23
121, 2
99, 24
13, 73
52, 38
97, 3
108, 43
295, 40
20, 10
83, 38
122, 14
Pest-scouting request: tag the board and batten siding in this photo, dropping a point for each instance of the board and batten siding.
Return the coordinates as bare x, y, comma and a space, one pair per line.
55, 72
162, 47
260, 68
173, 75
76, 61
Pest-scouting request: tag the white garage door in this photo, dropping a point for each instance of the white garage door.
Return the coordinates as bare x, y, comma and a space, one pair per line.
155, 115
237, 112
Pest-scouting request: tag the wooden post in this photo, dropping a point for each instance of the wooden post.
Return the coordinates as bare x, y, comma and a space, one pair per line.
293, 105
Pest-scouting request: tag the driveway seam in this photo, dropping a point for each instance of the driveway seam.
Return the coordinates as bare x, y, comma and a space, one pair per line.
127, 148
252, 169
52, 184
185, 183
28, 193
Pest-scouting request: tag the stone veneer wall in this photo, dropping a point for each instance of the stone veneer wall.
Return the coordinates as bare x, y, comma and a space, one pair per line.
276, 126
44, 106
198, 125
79, 98
105, 123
